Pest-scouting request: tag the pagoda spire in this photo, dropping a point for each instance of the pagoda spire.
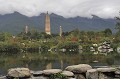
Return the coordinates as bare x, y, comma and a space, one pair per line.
60, 31
47, 24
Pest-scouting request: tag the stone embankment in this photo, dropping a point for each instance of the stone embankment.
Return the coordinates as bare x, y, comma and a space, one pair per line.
81, 71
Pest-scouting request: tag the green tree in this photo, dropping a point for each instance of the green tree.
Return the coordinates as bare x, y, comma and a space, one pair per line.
107, 32
75, 33
118, 26
5, 36
2, 37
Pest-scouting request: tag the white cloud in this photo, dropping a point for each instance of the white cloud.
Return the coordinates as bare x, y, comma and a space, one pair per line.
66, 8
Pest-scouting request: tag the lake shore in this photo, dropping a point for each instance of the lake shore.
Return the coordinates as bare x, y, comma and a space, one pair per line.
80, 71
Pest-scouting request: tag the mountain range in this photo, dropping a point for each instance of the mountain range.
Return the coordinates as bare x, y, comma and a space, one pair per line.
16, 22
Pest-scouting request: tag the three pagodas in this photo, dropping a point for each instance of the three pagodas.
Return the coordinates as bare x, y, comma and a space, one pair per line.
47, 26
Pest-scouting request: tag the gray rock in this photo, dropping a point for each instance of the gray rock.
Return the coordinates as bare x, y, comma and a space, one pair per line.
31, 71
118, 49
68, 73
41, 77
19, 72
81, 68
106, 69
117, 72
103, 76
37, 73
51, 71
2, 77
71, 78
92, 74
79, 76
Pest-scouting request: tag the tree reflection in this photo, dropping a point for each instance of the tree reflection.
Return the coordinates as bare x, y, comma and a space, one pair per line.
36, 61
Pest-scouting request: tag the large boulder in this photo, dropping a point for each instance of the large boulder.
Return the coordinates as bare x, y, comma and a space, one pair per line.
68, 73
106, 73
2, 77
92, 74
81, 68
79, 76
106, 69
51, 71
117, 73
19, 72
40, 77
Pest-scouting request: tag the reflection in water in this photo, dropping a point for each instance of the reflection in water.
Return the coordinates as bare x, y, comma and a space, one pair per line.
49, 66
37, 61
61, 62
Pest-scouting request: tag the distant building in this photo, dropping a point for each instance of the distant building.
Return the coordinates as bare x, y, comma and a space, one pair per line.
60, 31
47, 24
26, 29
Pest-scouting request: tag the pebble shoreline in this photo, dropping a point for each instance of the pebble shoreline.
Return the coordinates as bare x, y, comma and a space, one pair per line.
80, 71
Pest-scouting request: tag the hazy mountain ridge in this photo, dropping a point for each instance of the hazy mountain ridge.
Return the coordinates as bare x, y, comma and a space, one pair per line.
16, 22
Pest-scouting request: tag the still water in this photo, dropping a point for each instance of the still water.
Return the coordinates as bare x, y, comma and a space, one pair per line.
40, 61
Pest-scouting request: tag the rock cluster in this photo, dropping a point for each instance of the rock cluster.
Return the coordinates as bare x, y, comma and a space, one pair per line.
81, 71
81, 68
19, 72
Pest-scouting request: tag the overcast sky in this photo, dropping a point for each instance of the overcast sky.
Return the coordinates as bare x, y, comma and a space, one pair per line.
66, 8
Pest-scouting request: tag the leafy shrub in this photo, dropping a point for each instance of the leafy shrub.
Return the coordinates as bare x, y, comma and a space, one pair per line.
58, 75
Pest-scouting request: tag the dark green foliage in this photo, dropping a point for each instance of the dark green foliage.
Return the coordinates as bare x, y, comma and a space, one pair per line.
5, 36
75, 32
59, 76
2, 37
69, 46
118, 26
86, 47
110, 61
45, 47
107, 32
34, 34
9, 47
33, 41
